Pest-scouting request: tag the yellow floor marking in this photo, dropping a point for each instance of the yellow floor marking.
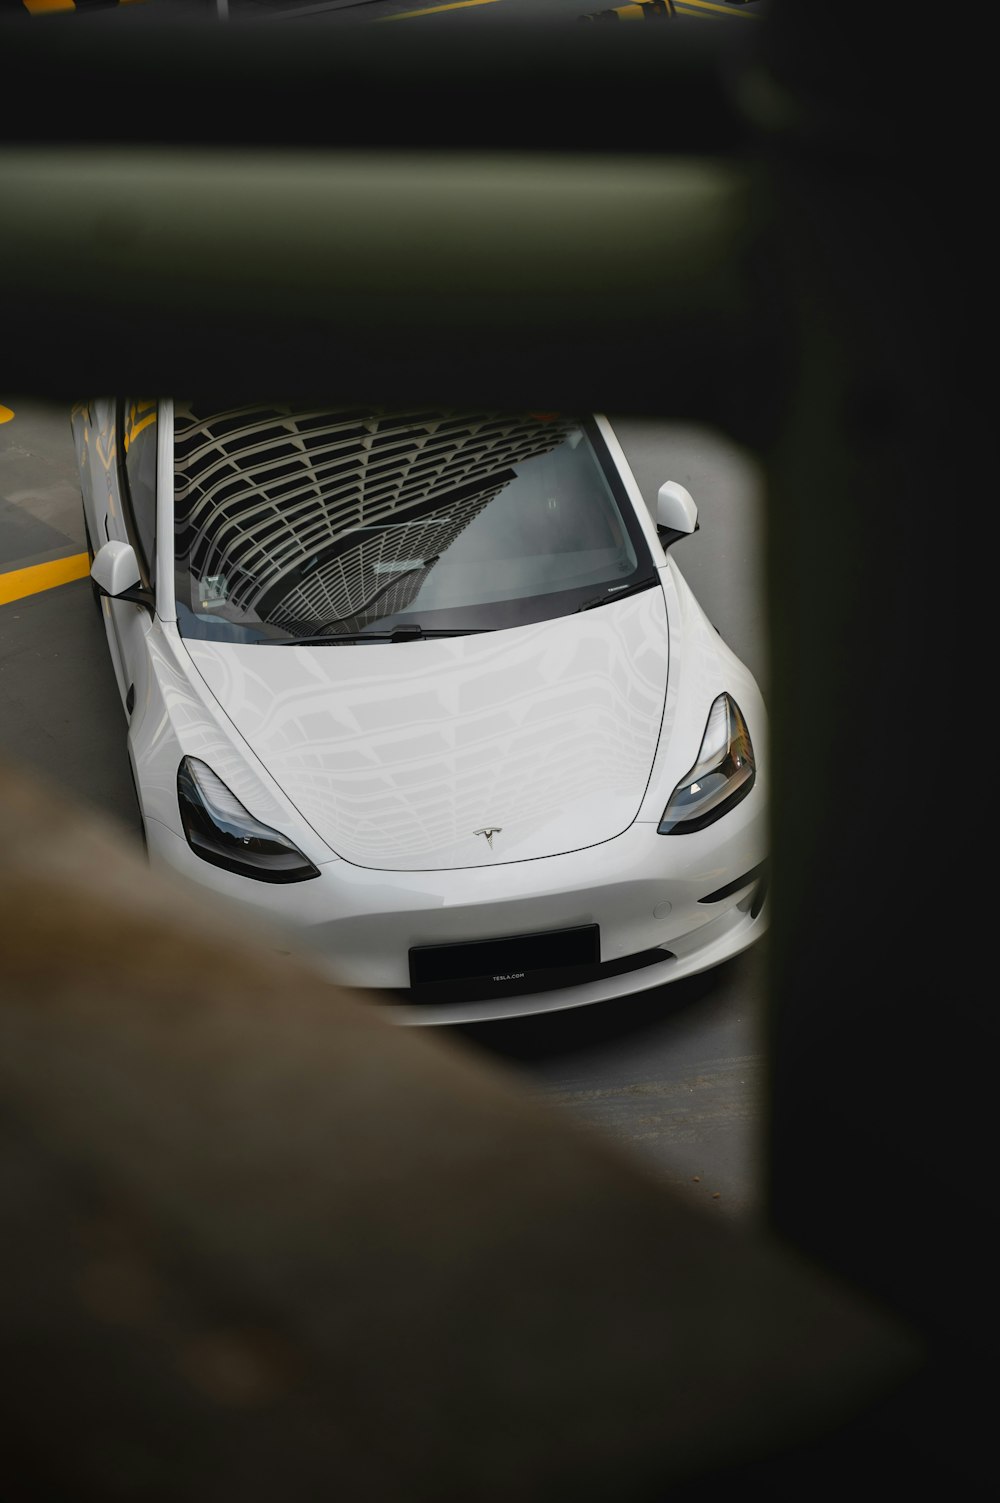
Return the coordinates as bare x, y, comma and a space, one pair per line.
723, 10
5, 414
22, 582
39, 7
432, 10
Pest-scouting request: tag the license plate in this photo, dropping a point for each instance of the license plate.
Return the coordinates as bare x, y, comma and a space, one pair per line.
504, 967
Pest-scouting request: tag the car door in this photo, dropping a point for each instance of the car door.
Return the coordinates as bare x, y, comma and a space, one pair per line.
135, 523
92, 424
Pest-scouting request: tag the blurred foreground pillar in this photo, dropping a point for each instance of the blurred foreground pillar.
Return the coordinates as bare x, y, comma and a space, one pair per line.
883, 1034
260, 1242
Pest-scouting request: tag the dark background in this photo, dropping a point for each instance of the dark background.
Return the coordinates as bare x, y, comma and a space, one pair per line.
847, 350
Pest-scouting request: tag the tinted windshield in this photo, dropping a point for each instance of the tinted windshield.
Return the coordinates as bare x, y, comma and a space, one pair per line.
293, 523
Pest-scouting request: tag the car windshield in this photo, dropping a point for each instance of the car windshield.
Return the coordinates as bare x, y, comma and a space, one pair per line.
327, 525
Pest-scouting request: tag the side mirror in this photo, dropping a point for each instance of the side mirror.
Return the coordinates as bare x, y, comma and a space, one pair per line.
676, 512
115, 572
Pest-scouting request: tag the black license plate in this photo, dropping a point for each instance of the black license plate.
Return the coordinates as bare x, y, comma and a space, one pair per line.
504, 967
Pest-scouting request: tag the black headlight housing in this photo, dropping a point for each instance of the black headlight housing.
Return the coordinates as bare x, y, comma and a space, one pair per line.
222, 832
721, 777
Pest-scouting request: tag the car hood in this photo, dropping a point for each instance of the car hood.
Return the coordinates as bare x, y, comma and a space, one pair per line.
400, 755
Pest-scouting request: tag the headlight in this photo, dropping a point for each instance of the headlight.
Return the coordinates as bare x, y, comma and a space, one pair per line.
723, 774
221, 831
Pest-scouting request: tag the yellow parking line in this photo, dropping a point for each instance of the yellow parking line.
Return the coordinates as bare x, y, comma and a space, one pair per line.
21, 582
432, 10
41, 7
723, 10
640, 10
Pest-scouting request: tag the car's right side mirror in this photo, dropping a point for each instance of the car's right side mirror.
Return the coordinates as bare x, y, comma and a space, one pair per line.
676, 512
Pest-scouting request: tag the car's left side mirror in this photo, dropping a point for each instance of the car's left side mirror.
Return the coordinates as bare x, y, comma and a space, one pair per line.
115, 572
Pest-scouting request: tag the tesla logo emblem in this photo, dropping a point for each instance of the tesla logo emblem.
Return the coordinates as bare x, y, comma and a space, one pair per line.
489, 831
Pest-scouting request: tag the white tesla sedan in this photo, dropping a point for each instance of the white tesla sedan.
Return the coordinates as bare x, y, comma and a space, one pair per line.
426, 692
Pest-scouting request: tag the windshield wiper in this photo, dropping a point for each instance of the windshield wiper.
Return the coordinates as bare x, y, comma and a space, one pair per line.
618, 592
424, 563
408, 633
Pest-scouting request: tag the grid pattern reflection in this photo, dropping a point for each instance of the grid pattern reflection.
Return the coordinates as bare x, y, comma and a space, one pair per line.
307, 517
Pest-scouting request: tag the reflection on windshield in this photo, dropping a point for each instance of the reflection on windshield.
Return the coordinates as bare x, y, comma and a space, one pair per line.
303, 523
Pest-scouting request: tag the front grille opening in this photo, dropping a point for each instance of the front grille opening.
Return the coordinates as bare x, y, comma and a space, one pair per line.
755, 874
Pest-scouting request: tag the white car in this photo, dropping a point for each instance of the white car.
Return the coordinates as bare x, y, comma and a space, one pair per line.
425, 691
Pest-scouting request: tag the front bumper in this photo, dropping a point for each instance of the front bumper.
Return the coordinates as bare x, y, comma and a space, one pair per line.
646, 892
